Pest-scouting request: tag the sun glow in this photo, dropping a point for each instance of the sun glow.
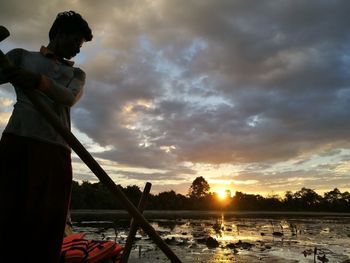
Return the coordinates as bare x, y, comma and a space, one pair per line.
222, 194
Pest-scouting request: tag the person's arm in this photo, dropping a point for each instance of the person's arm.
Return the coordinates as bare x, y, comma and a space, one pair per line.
3, 78
9, 63
64, 95
3, 67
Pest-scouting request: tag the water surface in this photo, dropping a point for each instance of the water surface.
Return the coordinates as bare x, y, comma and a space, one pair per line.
242, 237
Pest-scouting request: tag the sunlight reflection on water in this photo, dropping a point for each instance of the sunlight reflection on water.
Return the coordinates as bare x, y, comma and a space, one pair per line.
246, 239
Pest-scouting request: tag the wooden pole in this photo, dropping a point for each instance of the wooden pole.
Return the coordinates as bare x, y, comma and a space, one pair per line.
133, 225
86, 157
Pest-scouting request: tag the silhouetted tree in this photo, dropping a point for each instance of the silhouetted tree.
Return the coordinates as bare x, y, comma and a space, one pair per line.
167, 200
243, 201
289, 201
96, 196
345, 202
332, 197
307, 198
346, 197
337, 201
134, 193
199, 188
271, 202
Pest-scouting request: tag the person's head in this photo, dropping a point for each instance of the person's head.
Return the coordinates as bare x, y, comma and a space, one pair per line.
67, 34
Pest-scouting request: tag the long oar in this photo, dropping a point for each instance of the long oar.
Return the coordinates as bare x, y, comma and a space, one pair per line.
133, 224
86, 157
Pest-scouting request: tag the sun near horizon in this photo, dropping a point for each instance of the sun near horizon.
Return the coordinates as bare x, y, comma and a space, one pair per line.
223, 194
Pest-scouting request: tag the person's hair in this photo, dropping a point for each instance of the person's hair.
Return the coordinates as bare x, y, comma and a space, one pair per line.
70, 22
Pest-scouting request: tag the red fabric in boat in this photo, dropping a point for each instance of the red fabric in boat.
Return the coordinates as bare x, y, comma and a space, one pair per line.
74, 248
98, 250
77, 249
117, 250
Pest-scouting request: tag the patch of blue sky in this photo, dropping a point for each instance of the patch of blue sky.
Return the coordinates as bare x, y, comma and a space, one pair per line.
253, 121
165, 66
345, 57
197, 92
171, 67
194, 88
208, 102
196, 46
344, 93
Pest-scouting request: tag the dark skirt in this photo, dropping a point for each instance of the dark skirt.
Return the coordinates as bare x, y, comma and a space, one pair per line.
35, 187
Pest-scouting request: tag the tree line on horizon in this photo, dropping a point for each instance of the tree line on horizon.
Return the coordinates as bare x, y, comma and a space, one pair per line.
96, 196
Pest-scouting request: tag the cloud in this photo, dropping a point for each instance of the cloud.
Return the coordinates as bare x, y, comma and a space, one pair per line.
4, 117
211, 82
285, 76
172, 176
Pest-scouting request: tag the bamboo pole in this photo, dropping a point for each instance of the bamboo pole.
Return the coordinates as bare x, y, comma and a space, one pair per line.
133, 225
86, 157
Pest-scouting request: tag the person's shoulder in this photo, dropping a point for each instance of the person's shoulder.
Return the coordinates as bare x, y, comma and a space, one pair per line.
79, 73
19, 52
16, 52
78, 70
16, 55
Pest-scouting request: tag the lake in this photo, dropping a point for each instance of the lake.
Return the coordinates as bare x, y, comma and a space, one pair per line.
241, 236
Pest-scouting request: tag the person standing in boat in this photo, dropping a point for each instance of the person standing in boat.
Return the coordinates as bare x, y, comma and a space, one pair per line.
35, 161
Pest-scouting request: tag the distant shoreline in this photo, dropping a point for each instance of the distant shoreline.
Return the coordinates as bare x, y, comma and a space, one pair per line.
200, 214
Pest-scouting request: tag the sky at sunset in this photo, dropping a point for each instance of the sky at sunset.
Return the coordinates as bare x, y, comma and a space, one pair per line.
252, 95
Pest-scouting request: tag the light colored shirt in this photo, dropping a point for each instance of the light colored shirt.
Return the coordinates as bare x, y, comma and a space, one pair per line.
60, 88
